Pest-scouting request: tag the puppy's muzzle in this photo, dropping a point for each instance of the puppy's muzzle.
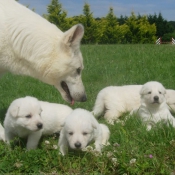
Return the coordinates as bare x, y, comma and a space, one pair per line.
156, 99
39, 125
77, 145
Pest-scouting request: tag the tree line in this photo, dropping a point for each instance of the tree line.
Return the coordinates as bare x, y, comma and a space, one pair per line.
111, 29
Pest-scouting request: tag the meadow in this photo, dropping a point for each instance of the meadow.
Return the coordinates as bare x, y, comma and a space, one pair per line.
132, 149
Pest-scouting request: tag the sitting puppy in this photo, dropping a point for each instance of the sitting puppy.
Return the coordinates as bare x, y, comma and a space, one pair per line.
29, 118
153, 106
81, 128
116, 100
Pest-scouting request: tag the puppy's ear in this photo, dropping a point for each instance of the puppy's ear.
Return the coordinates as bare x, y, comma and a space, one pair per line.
94, 123
14, 109
142, 91
163, 90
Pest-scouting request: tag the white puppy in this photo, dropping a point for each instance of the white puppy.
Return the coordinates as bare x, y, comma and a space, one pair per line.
81, 128
116, 100
2, 135
29, 118
153, 106
170, 99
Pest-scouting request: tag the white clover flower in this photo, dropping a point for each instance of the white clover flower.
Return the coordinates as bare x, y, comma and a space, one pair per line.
120, 121
114, 161
132, 161
96, 153
109, 154
116, 144
18, 164
88, 148
47, 142
172, 142
55, 146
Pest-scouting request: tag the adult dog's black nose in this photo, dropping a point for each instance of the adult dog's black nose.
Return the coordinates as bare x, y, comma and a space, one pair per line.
39, 125
77, 144
156, 98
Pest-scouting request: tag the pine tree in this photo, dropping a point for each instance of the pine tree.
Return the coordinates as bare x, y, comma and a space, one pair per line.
90, 25
57, 15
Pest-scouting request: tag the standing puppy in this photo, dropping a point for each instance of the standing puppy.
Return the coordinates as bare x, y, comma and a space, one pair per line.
81, 128
153, 106
29, 118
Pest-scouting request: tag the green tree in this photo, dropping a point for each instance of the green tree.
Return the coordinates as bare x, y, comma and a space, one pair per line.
110, 32
140, 30
91, 34
162, 25
57, 15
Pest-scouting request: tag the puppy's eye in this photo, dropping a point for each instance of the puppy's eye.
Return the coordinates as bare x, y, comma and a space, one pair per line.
70, 133
160, 92
85, 133
149, 92
28, 116
78, 70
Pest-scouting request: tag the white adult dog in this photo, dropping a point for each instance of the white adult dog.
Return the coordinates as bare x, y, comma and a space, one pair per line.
154, 108
32, 46
114, 101
81, 128
29, 118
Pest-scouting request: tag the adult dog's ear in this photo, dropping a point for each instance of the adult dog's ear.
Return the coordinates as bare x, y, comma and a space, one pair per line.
14, 110
73, 36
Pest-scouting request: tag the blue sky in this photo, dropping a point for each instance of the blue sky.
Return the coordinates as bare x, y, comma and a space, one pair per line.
100, 8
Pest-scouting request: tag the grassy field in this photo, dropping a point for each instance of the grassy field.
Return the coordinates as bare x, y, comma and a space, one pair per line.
133, 150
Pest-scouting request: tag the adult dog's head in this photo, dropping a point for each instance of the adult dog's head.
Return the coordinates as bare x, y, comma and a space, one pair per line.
64, 72
25, 113
152, 93
80, 128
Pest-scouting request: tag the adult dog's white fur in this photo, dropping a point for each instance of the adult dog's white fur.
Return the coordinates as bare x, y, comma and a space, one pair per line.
29, 118
114, 101
81, 128
154, 108
32, 46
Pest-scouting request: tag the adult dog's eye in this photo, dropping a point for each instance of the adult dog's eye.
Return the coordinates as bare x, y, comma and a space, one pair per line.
70, 133
160, 92
78, 70
85, 133
28, 116
149, 92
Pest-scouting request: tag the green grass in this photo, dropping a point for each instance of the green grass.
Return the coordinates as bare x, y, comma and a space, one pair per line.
105, 65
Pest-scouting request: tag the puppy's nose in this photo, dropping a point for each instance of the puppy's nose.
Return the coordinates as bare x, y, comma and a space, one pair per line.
156, 98
39, 125
84, 98
77, 144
